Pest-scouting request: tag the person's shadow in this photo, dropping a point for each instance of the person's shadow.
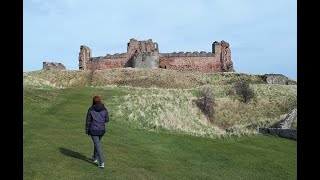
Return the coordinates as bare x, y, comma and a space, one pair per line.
76, 155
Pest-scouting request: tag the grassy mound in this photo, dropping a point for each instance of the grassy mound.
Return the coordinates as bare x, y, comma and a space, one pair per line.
145, 78
164, 99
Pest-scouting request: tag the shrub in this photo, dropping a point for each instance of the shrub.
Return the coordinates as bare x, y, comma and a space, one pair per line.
229, 91
206, 103
244, 91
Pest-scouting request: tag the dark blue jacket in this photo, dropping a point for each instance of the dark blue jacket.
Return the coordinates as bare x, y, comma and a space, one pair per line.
97, 116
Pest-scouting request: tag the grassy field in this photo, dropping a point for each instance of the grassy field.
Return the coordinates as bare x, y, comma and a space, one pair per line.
55, 145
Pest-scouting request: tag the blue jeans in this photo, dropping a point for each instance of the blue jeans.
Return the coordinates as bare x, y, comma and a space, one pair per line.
97, 151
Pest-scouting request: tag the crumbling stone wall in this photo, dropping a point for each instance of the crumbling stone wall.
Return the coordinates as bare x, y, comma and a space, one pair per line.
282, 128
288, 120
285, 133
145, 54
135, 46
276, 79
53, 65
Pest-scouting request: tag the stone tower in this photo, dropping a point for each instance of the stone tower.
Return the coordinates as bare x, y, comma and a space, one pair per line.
141, 46
223, 53
145, 54
84, 57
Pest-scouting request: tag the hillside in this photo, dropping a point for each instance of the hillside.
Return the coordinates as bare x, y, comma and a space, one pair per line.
157, 100
161, 78
155, 131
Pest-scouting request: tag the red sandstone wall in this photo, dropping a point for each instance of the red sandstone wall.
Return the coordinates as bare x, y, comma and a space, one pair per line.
200, 64
109, 63
219, 60
206, 64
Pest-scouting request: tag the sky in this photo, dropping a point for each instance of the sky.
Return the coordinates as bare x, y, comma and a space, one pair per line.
262, 33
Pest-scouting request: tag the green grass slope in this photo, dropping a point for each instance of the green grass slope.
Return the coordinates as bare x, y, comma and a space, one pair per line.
55, 145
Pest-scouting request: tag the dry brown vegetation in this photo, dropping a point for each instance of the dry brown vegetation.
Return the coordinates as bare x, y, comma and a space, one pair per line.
164, 99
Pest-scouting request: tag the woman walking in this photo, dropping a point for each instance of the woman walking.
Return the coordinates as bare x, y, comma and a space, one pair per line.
97, 116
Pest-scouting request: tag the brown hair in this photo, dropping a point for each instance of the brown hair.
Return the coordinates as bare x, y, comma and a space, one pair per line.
96, 100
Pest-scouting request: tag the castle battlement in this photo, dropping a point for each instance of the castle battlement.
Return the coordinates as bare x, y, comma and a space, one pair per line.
110, 56
187, 54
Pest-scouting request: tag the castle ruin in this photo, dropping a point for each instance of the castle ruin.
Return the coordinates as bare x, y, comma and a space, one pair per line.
145, 54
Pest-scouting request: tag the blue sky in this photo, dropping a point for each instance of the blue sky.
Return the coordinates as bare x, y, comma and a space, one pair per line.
262, 33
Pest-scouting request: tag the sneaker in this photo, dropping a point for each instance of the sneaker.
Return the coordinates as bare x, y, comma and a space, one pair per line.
101, 165
95, 160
